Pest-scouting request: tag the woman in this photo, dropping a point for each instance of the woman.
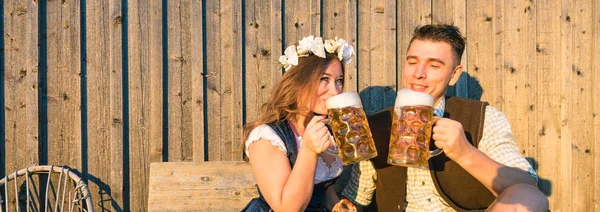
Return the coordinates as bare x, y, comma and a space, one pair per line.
289, 146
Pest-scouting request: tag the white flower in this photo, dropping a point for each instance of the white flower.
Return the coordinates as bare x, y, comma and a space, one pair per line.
311, 44
345, 51
290, 57
316, 46
331, 45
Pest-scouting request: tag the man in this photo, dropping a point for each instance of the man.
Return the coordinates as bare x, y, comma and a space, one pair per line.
481, 168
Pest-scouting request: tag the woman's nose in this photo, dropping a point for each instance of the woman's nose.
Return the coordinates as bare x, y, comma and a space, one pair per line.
335, 89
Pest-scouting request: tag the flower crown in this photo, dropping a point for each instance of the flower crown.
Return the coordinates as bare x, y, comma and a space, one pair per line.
316, 46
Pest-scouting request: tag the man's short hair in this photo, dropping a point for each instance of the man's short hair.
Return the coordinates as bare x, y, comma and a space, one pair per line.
442, 33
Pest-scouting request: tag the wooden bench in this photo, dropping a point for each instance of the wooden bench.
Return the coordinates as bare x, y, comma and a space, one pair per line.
200, 186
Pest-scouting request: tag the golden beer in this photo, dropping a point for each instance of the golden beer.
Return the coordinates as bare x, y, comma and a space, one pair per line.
350, 128
411, 130
410, 135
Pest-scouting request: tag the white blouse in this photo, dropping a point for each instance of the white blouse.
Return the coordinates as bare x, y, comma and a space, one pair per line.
323, 171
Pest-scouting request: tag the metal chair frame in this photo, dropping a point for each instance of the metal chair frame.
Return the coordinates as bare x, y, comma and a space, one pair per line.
80, 193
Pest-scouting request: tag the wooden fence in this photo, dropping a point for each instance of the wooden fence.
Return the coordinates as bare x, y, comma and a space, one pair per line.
108, 86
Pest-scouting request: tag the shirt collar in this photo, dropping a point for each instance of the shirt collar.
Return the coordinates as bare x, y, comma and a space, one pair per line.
439, 108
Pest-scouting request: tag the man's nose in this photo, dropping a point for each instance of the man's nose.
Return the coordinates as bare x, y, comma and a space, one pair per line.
420, 71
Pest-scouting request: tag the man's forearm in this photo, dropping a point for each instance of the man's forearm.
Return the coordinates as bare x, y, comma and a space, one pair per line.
493, 175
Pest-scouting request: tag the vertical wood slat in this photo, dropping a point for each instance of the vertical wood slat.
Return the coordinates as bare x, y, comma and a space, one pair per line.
143, 91
566, 156
376, 50
339, 20
390, 49
179, 81
518, 29
263, 48
499, 28
528, 144
224, 71
580, 118
116, 103
407, 22
197, 60
64, 82
102, 96
454, 13
302, 18
21, 84
155, 87
480, 43
596, 104
547, 108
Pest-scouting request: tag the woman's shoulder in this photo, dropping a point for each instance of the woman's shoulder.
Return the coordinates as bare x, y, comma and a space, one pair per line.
267, 133
263, 130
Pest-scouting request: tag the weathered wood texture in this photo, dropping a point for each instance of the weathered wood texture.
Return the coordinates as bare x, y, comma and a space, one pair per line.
104, 107
63, 83
217, 186
145, 96
223, 75
21, 84
109, 86
264, 43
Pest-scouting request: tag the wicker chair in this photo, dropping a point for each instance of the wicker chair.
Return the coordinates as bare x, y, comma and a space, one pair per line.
64, 190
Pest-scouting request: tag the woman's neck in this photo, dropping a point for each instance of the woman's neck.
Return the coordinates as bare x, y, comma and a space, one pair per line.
300, 122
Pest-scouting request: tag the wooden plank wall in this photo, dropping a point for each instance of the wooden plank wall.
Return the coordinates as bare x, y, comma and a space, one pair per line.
108, 86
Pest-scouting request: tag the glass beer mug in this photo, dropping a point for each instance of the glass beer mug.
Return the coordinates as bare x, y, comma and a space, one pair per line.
411, 130
350, 128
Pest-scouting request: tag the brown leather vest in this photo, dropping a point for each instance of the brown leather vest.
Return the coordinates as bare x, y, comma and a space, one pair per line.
456, 186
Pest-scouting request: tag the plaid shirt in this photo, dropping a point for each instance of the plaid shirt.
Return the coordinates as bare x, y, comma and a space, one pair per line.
497, 142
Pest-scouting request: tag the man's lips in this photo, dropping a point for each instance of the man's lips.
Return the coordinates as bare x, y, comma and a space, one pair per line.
420, 88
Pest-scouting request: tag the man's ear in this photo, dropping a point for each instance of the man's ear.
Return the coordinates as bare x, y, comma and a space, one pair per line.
456, 75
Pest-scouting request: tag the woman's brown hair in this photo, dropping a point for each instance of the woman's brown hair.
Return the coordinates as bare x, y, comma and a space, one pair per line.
298, 84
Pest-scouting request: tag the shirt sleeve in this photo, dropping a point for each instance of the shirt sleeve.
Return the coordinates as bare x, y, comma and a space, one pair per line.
361, 185
267, 133
498, 142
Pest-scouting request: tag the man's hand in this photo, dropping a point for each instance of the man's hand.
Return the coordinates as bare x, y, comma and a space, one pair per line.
450, 136
344, 205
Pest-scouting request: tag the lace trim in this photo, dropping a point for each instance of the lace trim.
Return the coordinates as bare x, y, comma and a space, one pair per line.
324, 172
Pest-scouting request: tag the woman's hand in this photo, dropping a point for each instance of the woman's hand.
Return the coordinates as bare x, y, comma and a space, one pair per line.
344, 205
316, 137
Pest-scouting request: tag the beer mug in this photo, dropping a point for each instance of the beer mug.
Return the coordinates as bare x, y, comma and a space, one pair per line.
350, 128
411, 130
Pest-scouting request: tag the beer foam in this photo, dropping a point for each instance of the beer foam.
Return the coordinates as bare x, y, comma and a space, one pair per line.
344, 100
409, 97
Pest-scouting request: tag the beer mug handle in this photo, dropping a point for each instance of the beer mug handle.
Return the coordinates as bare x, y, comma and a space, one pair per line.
335, 150
436, 152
